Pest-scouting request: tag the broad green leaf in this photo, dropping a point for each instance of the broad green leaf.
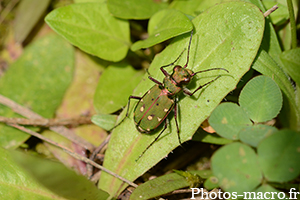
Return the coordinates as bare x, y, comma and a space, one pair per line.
266, 65
115, 86
193, 7
37, 80
28, 14
105, 121
291, 61
166, 184
51, 175
235, 165
89, 1
254, 134
230, 41
164, 25
279, 156
16, 183
134, 9
93, 29
228, 119
261, 99
265, 192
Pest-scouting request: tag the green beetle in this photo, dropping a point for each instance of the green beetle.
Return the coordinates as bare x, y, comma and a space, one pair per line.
156, 104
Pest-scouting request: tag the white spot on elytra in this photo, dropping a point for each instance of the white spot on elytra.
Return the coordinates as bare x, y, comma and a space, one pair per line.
159, 119
149, 117
142, 108
166, 110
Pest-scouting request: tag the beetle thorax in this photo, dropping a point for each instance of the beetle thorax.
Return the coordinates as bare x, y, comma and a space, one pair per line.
177, 80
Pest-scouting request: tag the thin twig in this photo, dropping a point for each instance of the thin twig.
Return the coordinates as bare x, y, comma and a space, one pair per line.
268, 12
73, 122
70, 152
95, 152
67, 133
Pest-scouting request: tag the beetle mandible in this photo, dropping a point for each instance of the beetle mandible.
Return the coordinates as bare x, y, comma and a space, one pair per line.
156, 104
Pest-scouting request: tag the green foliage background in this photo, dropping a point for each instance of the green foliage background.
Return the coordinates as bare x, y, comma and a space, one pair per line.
63, 59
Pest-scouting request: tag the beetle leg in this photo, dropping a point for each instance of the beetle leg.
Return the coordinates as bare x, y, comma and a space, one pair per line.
187, 91
128, 105
165, 127
155, 81
131, 97
176, 122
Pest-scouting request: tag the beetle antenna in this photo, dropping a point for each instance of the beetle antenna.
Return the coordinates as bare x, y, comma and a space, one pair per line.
193, 74
188, 53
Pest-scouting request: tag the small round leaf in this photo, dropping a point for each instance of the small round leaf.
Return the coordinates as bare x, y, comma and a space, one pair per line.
254, 134
279, 156
228, 119
235, 165
261, 98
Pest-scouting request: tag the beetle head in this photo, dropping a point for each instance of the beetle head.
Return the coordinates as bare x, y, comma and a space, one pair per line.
182, 76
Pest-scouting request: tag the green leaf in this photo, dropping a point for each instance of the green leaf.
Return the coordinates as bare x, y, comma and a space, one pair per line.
193, 7
254, 134
105, 121
194, 180
213, 138
291, 61
93, 29
211, 183
114, 87
166, 184
228, 41
261, 99
164, 25
264, 192
266, 65
28, 14
134, 9
235, 165
279, 156
53, 176
37, 80
16, 183
228, 119
270, 42
281, 15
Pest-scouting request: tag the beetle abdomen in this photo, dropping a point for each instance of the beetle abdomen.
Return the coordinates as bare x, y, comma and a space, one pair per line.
152, 109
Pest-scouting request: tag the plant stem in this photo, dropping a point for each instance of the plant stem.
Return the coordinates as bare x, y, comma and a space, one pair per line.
293, 24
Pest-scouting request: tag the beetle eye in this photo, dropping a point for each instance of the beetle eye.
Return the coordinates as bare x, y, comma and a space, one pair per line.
177, 68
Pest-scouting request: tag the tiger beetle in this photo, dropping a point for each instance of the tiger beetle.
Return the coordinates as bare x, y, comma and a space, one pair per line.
157, 103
